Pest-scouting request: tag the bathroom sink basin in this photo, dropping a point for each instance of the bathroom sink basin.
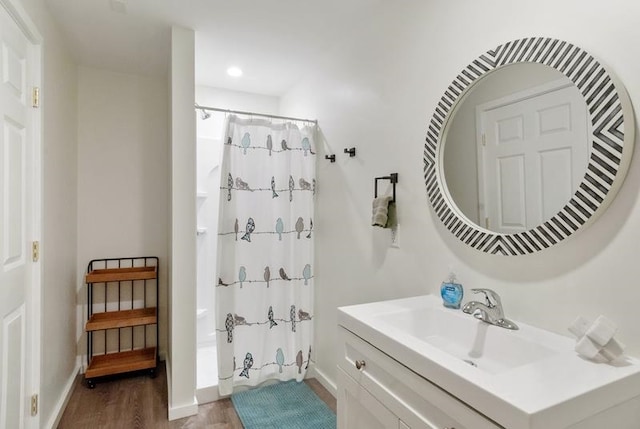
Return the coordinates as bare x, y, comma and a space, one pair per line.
486, 347
531, 378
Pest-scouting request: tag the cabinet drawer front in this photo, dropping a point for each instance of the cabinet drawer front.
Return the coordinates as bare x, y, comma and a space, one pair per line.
416, 401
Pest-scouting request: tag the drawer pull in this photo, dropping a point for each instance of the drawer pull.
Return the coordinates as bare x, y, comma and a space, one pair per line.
360, 364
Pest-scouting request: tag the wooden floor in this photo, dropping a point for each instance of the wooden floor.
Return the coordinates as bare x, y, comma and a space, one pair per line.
141, 402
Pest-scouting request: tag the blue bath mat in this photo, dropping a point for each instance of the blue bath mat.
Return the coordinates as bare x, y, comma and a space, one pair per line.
287, 405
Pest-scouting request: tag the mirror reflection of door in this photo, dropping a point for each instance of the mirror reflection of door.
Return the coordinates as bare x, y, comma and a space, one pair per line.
531, 155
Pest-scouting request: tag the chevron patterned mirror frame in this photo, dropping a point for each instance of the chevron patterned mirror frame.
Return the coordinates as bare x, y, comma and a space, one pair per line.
611, 145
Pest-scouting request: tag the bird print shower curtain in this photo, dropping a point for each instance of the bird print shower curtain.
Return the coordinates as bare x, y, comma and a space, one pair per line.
264, 294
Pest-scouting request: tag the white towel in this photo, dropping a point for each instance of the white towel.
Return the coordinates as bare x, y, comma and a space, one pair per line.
380, 211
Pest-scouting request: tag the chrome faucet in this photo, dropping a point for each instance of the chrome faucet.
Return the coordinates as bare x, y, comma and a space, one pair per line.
491, 311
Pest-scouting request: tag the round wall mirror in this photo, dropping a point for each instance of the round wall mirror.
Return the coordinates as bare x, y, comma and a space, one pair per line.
529, 143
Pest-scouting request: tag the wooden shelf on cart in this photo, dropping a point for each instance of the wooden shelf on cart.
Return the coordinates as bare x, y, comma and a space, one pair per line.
118, 363
121, 319
121, 274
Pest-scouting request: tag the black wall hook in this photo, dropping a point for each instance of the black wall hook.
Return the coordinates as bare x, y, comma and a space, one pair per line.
351, 152
331, 158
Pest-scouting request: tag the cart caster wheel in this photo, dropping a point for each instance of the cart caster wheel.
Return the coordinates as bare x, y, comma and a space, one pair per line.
152, 373
91, 384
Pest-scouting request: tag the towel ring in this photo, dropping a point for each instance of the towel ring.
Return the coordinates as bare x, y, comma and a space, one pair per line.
393, 178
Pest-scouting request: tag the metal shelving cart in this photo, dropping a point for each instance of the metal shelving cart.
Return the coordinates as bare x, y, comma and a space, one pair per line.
122, 316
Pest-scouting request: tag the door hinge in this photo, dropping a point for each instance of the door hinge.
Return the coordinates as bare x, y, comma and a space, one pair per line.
35, 251
34, 405
484, 139
486, 223
35, 97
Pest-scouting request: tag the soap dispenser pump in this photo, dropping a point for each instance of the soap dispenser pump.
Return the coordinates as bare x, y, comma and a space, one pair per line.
451, 292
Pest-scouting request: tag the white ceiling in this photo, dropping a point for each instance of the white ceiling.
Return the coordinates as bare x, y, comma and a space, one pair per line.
275, 42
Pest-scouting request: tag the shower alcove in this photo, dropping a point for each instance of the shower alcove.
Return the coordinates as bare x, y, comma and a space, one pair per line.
208, 150
209, 134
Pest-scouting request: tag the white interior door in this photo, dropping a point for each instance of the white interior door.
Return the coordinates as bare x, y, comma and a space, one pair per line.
17, 210
534, 155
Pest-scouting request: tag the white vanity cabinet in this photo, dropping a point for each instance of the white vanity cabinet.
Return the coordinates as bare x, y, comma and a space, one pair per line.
424, 366
383, 393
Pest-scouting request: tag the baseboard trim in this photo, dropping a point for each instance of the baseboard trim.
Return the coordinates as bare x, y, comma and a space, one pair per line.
178, 412
205, 395
326, 382
58, 410
183, 410
167, 368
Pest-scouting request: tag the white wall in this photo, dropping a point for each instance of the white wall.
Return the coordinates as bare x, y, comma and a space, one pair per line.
233, 100
378, 91
122, 175
59, 114
182, 241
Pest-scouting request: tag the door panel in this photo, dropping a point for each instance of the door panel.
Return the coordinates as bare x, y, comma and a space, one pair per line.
14, 71
510, 129
13, 225
510, 194
12, 412
556, 172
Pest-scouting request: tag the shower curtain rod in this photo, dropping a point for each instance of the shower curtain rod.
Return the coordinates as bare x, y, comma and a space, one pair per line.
264, 115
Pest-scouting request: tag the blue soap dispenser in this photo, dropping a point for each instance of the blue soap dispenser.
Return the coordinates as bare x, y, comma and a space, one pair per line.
451, 292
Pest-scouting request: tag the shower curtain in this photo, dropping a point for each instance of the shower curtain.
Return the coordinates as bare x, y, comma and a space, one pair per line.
264, 292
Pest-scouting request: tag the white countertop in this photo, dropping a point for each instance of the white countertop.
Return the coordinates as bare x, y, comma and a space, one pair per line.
552, 392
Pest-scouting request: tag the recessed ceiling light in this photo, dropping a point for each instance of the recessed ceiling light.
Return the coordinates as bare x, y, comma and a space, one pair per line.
234, 71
